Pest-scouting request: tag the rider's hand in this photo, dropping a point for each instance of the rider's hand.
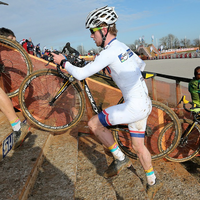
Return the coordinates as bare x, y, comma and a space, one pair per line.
57, 58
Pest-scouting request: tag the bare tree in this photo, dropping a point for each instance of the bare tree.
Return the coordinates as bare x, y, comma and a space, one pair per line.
176, 43
170, 41
185, 42
196, 42
163, 41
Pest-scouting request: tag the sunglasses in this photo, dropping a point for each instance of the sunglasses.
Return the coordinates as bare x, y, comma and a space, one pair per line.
93, 30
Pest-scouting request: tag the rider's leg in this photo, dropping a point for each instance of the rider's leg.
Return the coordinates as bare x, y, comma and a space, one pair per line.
137, 133
101, 132
19, 129
105, 136
7, 108
145, 158
121, 161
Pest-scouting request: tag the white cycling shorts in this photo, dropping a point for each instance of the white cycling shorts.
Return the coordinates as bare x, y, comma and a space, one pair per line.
134, 113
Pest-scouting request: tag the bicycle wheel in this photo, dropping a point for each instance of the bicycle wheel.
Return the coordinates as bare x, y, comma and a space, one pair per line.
186, 149
160, 116
15, 65
38, 89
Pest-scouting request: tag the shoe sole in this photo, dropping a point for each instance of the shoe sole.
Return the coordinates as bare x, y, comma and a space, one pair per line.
21, 139
153, 194
128, 165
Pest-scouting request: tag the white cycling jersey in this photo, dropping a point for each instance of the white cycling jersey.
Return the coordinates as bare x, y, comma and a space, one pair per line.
123, 64
125, 68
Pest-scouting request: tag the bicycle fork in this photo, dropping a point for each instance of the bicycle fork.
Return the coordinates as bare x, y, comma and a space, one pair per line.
186, 134
66, 83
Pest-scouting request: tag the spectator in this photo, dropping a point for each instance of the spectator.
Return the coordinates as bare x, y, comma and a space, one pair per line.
25, 44
21, 41
38, 51
194, 87
8, 33
30, 47
45, 55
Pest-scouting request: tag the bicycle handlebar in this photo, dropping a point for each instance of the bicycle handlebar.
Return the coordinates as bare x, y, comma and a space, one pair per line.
72, 50
72, 57
194, 108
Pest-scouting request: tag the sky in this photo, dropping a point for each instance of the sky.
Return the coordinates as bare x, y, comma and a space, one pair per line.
53, 23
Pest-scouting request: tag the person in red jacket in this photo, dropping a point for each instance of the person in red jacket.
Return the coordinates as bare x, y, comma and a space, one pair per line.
24, 44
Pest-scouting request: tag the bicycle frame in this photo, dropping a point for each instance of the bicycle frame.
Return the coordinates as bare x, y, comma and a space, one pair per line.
67, 82
96, 109
188, 130
186, 133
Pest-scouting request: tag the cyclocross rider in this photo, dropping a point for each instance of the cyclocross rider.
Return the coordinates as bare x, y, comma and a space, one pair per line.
125, 68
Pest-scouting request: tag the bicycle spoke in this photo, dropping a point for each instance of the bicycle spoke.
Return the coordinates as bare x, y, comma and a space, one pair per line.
39, 89
15, 65
191, 145
157, 121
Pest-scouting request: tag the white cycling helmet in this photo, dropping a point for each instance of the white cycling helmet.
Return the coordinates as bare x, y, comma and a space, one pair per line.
104, 14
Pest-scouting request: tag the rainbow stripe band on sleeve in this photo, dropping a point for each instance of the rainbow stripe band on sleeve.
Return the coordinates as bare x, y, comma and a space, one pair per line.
138, 134
104, 119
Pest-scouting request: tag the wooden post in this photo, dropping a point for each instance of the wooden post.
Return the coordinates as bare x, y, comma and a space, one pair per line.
178, 93
2, 83
178, 98
154, 91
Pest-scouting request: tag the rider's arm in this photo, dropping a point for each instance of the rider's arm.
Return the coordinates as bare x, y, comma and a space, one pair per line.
194, 86
86, 71
140, 62
91, 68
194, 90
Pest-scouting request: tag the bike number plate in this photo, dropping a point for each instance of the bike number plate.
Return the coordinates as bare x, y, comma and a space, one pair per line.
7, 145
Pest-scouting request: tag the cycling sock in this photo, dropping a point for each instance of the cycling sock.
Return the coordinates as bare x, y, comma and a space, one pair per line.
116, 151
151, 177
15, 124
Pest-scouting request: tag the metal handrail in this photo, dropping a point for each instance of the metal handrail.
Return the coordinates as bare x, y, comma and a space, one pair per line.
178, 87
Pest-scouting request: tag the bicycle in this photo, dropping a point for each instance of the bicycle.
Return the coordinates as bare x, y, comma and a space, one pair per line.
189, 145
54, 101
15, 65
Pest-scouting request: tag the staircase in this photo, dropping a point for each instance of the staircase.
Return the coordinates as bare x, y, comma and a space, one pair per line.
147, 52
71, 166
144, 51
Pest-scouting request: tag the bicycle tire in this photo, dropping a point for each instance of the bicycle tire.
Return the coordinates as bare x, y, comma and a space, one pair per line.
38, 89
160, 116
187, 150
15, 65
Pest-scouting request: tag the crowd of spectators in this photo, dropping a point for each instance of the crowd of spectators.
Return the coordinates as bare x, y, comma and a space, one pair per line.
35, 50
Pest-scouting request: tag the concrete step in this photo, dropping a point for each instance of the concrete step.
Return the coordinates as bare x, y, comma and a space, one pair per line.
19, 167
57, 175
93, 161
71, 166
74, 167
5, 131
